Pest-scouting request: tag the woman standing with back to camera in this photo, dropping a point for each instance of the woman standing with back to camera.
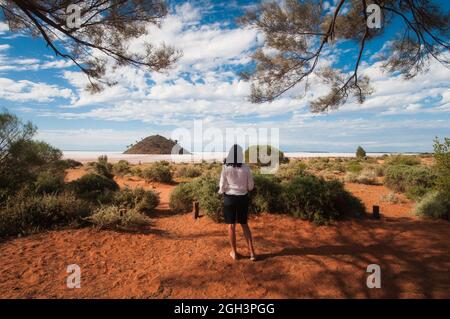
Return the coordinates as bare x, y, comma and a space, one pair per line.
235, 182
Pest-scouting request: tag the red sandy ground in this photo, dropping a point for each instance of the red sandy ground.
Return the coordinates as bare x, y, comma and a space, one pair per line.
177, 257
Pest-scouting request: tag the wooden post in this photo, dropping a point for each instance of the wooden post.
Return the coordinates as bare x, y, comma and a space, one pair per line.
196, 210
376, 211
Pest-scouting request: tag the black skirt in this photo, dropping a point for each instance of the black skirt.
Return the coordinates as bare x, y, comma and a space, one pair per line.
235, 208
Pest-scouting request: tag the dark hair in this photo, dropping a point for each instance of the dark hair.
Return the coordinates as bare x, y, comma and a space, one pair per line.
234, 157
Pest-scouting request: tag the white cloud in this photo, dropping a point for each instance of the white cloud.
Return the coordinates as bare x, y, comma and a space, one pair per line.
23, 90
3, 27
9, 63
4, 47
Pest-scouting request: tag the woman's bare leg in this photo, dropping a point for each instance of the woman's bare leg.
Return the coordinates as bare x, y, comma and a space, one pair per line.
248, 239
232, 239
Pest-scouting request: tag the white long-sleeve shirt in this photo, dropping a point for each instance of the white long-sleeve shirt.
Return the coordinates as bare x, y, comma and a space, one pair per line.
236, 180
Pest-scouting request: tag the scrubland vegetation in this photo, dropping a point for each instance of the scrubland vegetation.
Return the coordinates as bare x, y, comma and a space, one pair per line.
305, 196
158, 172
34, 196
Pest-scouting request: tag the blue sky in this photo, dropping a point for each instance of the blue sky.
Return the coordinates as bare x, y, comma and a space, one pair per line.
400, 116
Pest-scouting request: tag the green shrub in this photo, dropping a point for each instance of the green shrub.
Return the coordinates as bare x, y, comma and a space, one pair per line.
158, 172
136, 171
121, 168
144, 201
188, 171
413, 180
267, 195
360, 152
320, 201
354, 167
409, 160
102, 167
26, 160
434, 204
326, 164
416, 192
320, 163
206, 193
379, 170
291, 170
442, 166
263, 155
337, 166
70, 163
390, 198
112, 217
308, 197
351, 177
49, 182
31, 214
366, 176
94, 187
181, 198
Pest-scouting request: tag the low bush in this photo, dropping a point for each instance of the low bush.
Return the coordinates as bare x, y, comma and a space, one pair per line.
136, 171
206, 193
158, 172
434, 204
188, 171
415, 181
291, 170
102, 167
337, 166
379, 170
351, 177
366, 176
121, 168
326, 164
416, 192
320, 163
320, 201
49, 182
181, 198
30, 214
267, 195
354, 167
70, 163
308, 197
113, 217
390, 198
144, 201
94, 187
409, 160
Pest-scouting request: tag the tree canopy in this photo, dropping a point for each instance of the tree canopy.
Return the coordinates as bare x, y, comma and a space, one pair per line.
12, 132
298, 33
22, 159
102, 33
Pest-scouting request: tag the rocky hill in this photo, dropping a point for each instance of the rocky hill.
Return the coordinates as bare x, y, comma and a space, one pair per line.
155, 144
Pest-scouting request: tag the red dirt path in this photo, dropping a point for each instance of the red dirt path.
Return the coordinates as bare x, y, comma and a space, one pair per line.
177, 257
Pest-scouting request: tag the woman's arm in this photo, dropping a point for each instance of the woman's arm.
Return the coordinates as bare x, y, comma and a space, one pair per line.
223, 182
250, 182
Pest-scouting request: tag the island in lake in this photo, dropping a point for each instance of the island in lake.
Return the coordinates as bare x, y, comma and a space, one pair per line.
156, 144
